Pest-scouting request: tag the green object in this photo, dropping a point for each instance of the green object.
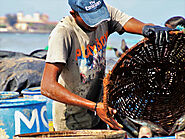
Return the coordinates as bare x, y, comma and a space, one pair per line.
109, 48
46, 48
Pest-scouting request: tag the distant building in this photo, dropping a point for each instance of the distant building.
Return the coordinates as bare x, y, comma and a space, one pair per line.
32, 23
3, 20
44, 17
21, 26
28, 23
3, 24
36, 18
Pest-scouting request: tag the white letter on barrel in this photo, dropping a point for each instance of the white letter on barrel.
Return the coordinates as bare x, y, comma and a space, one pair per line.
18, 115
42, 116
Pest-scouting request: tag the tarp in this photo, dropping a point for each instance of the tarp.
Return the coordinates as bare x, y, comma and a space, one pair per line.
19, 71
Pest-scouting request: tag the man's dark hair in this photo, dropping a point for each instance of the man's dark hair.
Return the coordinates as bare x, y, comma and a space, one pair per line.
175, 21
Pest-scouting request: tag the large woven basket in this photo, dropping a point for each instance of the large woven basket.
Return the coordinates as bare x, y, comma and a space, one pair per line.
147, 86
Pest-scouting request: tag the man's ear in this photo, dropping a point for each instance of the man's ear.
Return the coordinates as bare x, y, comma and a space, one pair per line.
72, 12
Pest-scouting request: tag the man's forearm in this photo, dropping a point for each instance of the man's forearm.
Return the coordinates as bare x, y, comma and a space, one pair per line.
134, 26
52, 89
61, 94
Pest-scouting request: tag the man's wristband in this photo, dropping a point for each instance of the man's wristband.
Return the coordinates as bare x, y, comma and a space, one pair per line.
95, 108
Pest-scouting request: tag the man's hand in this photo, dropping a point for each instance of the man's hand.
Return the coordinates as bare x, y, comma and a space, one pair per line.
101, 112
159, 34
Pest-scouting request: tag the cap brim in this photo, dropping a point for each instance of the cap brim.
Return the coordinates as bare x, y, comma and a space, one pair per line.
92, 19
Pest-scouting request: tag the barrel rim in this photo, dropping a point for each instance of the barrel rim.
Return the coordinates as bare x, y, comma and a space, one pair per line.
14, 95
20, 102
31, 91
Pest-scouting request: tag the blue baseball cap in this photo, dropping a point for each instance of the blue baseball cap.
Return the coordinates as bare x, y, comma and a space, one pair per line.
93, 12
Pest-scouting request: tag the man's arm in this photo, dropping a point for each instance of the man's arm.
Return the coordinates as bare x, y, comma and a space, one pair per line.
157, 34
134, 26
52, 89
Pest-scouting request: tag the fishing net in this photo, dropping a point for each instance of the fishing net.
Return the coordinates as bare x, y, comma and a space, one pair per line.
147, 86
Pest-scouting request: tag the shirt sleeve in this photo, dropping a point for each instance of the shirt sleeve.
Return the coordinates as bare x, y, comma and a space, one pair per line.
59, 46
118, 19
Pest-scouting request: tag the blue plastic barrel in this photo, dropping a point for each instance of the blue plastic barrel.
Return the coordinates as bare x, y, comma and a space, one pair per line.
8, 95
35, 93
19, 116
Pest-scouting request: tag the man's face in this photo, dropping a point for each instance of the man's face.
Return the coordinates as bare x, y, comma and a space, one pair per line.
81, 23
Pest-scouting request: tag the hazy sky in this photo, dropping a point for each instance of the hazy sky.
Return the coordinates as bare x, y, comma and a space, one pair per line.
155, 11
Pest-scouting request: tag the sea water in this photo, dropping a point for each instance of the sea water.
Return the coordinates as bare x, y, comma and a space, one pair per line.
27, 43
20, 42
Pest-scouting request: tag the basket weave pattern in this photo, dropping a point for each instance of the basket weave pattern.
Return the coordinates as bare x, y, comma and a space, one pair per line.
148, 82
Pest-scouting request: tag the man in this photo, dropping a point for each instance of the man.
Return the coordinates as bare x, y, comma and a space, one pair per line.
175, 21
75, 63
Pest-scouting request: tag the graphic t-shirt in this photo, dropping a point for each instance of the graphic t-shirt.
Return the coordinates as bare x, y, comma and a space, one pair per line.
84, 54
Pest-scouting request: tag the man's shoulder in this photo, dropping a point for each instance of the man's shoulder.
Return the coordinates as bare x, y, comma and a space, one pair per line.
110, 8
65, 25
